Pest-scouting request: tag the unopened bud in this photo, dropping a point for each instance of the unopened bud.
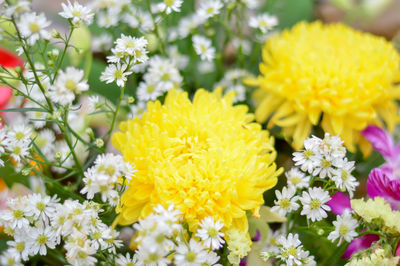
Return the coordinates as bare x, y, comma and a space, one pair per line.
131, 100
99, 143
58, 155
89, 131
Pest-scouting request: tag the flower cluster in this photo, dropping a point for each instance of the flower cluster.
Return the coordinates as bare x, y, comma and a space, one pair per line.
38, 223
103, 177
127, 52
161, 234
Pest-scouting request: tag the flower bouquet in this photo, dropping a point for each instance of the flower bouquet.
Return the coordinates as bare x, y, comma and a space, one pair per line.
195, 133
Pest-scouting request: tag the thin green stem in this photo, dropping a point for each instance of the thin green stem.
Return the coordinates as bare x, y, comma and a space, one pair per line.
156, 29
64, 52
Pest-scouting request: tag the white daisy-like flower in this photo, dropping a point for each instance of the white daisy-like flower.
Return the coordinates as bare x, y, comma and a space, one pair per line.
168, 6
42, 207
15, 215
333, 145
18, 8
37, 118
343, 178
210, 233
19, 248
148, 92
126, 260
263, 22
203, 47
102, 43
69, 83
209, 8
326, 166
290, 249
296, 178
107, 19
18, 149
77, 13
42, 238
8, 258
132, 46
19, 133
286, 201
191, 254
345, 226
308, 159
115, 72
33, 26
313, 202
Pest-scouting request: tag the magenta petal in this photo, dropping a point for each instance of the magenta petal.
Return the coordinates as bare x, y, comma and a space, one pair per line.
360, 243
339, 202
380, 185
380, 140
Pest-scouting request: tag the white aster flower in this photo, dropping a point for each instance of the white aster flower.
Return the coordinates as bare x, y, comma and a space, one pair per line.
345, 226
19, 248
209, 8
107, 19
210, 233
33, 26
325, 166
290, 250
42, 207
313, 202
18, 149
77, 13
42, 238
148, 92
296, 178
67, 85
343, 178
263, 22
168, 6
102, 43
44, 140
308, 159
203, 47
286, 201
126, 260
132, 46
116, 73
190, 255
8, 258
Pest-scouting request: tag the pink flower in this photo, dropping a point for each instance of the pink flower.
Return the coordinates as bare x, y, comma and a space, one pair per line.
385, 180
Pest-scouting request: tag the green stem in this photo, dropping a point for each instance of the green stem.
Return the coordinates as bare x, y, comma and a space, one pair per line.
156, 29
114, 118
64, 52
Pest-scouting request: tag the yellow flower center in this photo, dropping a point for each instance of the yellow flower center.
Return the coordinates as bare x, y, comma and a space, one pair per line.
70, 85
42, 239
40, 206
118, 74
20, 246
190, 256
212, 232
34, 27
315, 204
20, 135
295, 180
292, 251
168, 2
285, 203
343, 230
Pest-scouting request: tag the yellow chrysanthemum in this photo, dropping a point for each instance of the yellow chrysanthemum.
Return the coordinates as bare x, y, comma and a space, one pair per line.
206, 157
313, 71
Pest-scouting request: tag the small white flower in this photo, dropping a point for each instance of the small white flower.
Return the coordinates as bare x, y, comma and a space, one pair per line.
263, 22
286, 201
45, 142
126, 260
15, 215
42, 238
189, 255
67, 85
290, 250
33, 26
148, 92
343, 178
107, 19
209, 8
325, 166
210, 234
8, 258
168, 6
19, 248
132, 46
203, 47
308, 158
42, 207
77, 13
102, 43
296, 178
313, 202
116, 73
345, 226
